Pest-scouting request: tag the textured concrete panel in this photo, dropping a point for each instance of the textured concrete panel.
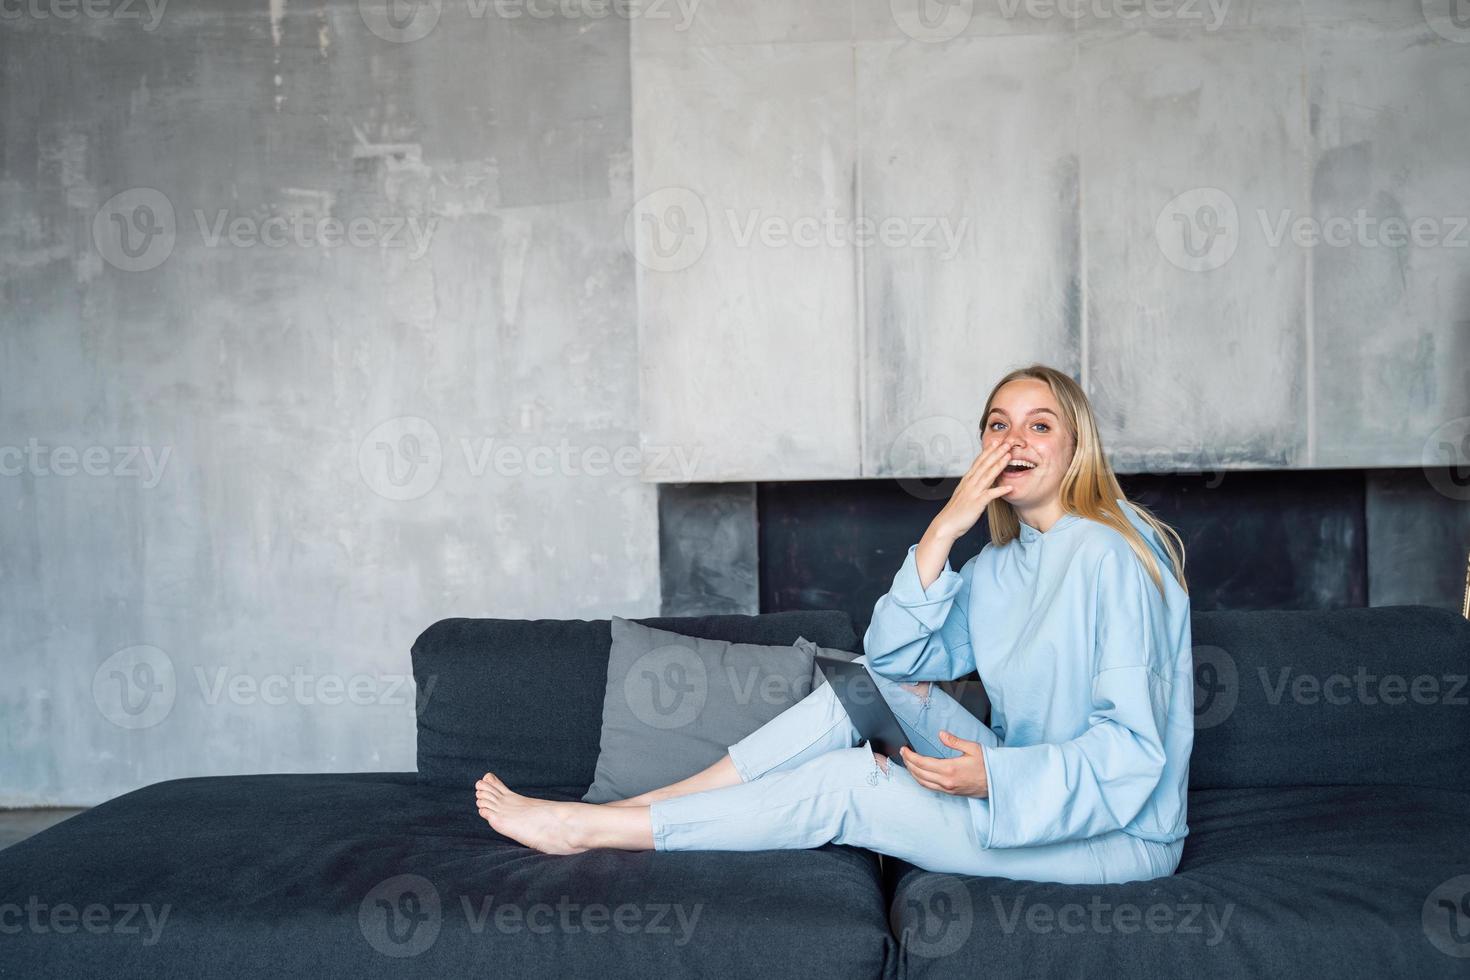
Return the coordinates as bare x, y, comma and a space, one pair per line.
679, 24
1180, 17
982, 274
1418, 538
304, 446
743, 230
935, 24
1391, 264
707, 549
1195, 327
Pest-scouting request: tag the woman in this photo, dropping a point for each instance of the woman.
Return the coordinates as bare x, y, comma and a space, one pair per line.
1076, 616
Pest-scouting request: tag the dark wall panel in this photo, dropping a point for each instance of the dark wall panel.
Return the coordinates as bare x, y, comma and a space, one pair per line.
1253, 540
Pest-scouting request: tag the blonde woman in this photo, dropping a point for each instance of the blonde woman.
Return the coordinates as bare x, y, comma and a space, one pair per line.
1076, 616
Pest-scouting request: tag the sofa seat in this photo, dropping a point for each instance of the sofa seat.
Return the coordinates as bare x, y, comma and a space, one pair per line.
1309, 881
296, 875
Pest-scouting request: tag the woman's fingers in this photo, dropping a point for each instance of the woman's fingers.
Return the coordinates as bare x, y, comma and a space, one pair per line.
986, 467
924, 781
981, 480
927, 766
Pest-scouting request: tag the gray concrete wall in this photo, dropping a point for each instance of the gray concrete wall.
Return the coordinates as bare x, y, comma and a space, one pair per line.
1241, 223
244, 468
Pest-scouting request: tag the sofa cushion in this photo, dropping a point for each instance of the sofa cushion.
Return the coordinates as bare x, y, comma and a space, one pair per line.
674, 703
371, 875
1320, 881
1335, 697
523, 698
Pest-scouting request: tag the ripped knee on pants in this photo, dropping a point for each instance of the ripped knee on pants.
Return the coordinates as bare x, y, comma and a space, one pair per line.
881, 761
921, 689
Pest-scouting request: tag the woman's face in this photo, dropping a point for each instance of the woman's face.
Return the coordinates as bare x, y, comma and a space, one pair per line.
1026, 414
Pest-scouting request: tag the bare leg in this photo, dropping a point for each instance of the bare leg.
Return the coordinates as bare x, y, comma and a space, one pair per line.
719, 775
561, 828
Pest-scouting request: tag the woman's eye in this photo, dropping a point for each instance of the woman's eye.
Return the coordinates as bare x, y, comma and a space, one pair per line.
1044, 426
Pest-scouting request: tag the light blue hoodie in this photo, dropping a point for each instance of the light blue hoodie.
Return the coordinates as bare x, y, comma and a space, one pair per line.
1089, 671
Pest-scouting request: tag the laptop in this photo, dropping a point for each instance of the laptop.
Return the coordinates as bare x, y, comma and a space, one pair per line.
864, 703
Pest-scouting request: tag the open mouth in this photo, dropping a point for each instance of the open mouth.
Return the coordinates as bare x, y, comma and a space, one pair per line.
1017, 468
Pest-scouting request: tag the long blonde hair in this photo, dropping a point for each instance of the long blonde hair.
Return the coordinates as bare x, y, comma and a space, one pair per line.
1089, 488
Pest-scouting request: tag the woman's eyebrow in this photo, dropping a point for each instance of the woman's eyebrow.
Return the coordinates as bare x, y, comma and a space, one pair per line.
1034, 411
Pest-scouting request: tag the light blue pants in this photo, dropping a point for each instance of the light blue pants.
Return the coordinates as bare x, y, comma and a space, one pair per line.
804, 784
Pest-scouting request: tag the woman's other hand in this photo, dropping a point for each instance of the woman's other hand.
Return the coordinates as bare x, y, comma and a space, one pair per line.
963, 775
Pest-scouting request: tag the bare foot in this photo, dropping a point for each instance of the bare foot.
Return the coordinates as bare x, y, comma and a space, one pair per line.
546, 825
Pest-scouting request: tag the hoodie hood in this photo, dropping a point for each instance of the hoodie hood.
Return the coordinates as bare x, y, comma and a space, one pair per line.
1148, 533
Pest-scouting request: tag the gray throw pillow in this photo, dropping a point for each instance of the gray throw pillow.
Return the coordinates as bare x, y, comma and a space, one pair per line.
675, 703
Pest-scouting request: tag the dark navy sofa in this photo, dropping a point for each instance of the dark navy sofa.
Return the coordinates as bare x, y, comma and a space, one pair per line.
1329, 834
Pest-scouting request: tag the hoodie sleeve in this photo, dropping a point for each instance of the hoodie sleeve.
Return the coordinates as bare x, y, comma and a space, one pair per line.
919, 634
1100, 780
